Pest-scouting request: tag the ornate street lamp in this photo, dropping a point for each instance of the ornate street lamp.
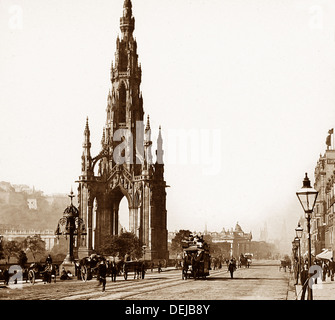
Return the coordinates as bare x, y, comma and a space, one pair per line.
70, 225
307, 197
297, 243
144, 247
298, 231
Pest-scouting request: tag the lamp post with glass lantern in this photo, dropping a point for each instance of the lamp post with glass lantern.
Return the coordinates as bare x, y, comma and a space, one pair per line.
295, 255
297, 244
307, 197
298, 232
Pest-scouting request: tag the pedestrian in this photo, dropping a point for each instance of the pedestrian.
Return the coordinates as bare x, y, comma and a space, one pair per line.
331, 268
143, 269
304, 281
64, 275
102, 272
324, 271
159, 267
232, 268
48, 259
6, 276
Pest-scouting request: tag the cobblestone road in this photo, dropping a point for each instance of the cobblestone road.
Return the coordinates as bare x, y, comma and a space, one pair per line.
262, 281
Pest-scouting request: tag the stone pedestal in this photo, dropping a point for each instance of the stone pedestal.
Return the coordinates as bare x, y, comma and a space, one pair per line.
68, 266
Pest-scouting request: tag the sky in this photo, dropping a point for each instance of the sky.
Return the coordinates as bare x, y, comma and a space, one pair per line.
243, 90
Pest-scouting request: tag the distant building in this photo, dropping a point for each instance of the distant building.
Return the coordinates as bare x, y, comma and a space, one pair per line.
238, 240
235, 241
10, 233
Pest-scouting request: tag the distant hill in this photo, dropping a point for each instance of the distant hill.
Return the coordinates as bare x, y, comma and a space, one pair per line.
25, 208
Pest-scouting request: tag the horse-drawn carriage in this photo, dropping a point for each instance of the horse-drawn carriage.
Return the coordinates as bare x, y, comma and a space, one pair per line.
138, 267
88, 266
285, 263
245, 259
196, 258
45, 272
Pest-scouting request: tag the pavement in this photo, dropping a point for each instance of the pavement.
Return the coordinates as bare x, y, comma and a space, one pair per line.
322, 290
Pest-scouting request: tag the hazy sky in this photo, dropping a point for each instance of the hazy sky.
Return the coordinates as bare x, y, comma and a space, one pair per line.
252, 80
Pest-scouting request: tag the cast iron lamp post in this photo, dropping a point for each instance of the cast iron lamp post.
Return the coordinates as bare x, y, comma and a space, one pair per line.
307, 197
70, 225
297, 243
144, 247
298, 232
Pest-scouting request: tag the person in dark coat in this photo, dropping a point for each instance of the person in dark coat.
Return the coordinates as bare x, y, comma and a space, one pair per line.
6, 276
143, 269
102, 270
331, 268
232, 268
304, 281
48, 260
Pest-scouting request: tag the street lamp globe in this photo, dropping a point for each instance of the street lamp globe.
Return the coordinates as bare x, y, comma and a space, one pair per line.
298, 231
307, 196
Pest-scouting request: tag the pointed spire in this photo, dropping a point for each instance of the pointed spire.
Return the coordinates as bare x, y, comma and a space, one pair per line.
159, 151
86, 126
147, 128
87, 142
103, 139
127, 22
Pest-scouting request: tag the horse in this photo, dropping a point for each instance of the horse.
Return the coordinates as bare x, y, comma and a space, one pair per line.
244, 261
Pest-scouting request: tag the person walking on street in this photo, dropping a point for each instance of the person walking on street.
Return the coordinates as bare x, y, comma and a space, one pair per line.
331, 268
304, 281
102, 270
324, 271
48, 259
232, 268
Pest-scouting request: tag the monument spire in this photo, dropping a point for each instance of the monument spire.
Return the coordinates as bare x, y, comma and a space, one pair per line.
127, 21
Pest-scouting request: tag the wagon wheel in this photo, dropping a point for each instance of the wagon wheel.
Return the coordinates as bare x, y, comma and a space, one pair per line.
31, 276
83, 271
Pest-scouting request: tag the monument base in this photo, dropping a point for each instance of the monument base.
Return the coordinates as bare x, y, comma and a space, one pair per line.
69, 266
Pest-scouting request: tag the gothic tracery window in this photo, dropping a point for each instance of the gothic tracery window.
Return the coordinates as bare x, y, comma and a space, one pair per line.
122, 103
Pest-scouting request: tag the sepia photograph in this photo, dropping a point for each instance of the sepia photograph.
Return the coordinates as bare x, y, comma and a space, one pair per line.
167, 154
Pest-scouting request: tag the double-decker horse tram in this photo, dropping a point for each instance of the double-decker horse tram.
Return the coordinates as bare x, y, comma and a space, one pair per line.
196, 258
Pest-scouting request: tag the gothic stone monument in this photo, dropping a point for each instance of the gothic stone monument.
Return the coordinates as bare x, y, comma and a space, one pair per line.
125, 166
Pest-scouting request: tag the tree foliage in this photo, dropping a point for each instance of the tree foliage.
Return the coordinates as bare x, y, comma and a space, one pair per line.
125, 244
2, 255
176, 244
22, 259
11, 249
35, 245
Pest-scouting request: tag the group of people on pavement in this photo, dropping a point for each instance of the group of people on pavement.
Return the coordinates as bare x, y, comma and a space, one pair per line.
319, 269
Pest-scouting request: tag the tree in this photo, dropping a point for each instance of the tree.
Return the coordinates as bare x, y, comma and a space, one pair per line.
11, 249
22, 259
35, 245
59, 250
125, 243
176, 244
2, 255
